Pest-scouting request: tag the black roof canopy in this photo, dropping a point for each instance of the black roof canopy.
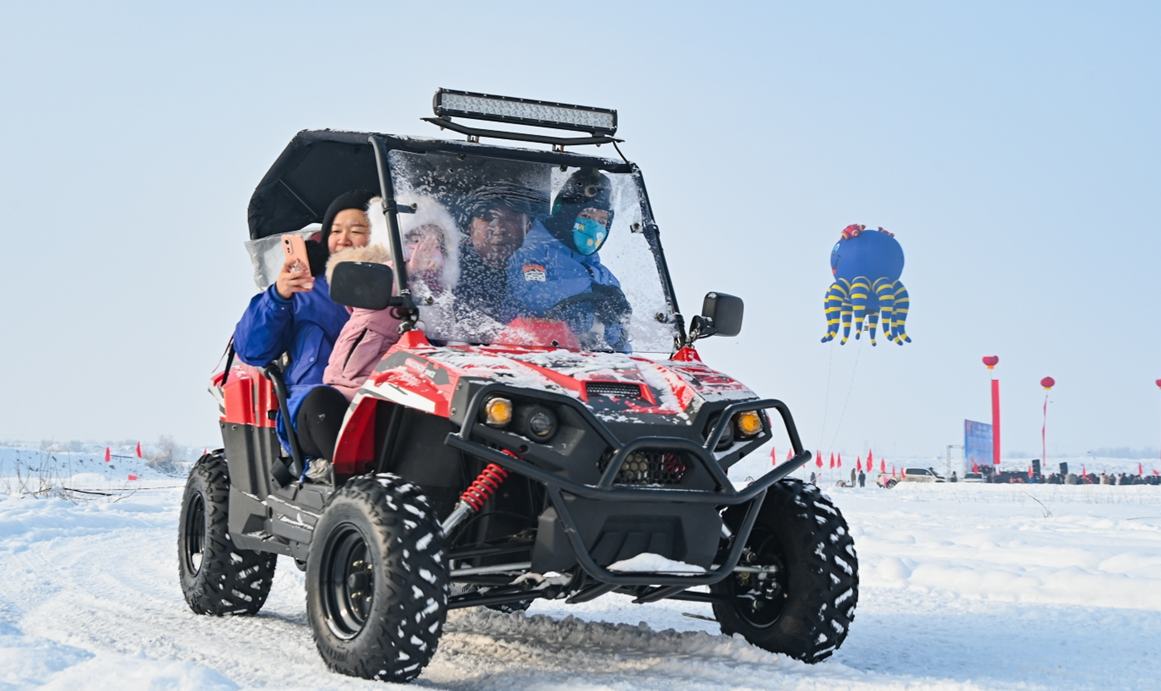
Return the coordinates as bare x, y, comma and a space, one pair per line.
314, 168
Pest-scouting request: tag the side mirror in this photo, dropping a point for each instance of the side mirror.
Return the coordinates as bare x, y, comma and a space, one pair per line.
721, 315
362, 284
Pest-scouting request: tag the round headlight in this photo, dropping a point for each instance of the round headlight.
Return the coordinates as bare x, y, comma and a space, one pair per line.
748, 423
727, 438
541, 424
498, 411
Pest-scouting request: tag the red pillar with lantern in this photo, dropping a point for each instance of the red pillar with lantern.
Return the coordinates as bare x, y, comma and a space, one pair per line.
990, 361
1047, 383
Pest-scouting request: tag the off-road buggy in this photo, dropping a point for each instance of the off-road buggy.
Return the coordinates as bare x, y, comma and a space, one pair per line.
490, 463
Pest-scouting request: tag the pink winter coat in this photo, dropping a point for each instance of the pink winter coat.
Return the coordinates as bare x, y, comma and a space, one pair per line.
365, 337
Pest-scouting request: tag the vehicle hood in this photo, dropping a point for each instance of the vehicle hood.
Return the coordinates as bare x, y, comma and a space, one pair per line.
617, 387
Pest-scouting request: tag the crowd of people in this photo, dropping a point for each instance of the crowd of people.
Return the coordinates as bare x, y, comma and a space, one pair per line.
986, 475
1102, 478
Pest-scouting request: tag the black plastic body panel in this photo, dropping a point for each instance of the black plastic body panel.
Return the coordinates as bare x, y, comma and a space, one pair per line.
250, 453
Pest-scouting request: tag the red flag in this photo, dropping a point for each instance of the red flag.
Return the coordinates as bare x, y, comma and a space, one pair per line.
870, 457
789, 453
902, 471
1083, 471
132, 476
975, 467
892, 471
139, 449
840, 460
818, 461
1140, 469
108, 454
1029, 471
832, 461
773, 456
859, 464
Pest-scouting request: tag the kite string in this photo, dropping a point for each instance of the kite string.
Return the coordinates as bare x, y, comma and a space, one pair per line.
847, 398
826, 397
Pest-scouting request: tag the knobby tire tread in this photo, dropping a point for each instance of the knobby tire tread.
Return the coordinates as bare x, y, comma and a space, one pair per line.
229, 581
822, 594
409, 607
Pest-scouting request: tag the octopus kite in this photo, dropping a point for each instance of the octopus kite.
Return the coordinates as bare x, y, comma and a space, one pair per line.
866, 265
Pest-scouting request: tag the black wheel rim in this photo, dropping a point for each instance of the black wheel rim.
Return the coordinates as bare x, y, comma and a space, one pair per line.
760, 598
348, 581
195, 533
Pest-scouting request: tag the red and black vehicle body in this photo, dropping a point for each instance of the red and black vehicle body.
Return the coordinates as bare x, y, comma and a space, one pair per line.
595, 458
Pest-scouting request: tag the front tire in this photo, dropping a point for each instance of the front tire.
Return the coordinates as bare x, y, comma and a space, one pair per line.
215, 577
803, 607
377, 580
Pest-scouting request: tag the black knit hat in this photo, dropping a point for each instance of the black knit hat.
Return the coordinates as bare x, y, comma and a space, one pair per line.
502, 194
584, 189
356, 199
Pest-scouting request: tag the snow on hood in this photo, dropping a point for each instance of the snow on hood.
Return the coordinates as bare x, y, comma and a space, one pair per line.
668, 388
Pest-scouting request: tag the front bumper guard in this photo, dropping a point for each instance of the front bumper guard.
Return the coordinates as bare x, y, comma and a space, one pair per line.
605, 490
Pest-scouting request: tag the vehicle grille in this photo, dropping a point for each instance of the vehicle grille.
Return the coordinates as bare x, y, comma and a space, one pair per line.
612, 389
650, 467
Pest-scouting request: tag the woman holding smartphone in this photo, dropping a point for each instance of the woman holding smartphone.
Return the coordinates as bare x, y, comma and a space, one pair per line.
296, 316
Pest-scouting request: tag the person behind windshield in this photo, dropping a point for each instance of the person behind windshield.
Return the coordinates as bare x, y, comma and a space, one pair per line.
431, 246
495, 218
557, 273
296, 316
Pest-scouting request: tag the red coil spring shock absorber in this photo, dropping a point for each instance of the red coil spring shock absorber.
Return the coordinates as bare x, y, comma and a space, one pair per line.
485, 485
477, 494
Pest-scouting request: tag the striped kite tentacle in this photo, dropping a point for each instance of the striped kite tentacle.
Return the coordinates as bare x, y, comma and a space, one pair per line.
885, 293
836, 296
902, 303
846, 311
860, 294
873, 323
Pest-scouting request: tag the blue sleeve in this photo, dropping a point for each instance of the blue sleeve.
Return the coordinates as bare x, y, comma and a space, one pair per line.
264, 331
601, 274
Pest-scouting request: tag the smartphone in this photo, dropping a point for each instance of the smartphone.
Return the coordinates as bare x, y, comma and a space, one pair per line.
295, 248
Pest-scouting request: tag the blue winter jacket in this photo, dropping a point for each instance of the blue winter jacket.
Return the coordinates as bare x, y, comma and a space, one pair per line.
305, 326
544, 272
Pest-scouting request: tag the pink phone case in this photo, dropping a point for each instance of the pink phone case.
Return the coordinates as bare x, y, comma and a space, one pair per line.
295, 248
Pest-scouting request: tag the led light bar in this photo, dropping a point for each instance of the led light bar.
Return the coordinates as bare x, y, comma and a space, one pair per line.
524, 111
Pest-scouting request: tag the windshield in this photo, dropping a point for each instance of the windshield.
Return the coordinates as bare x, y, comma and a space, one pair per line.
520, 253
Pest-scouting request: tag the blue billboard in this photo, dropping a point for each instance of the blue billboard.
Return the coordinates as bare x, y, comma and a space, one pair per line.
977, 444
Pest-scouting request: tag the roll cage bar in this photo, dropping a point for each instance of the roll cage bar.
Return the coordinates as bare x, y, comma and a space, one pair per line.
318, 165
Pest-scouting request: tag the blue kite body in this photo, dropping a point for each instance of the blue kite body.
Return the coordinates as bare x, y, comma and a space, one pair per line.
867, 265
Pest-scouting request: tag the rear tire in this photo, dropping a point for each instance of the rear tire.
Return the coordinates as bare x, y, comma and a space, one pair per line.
215, 577
377, 580
805, 608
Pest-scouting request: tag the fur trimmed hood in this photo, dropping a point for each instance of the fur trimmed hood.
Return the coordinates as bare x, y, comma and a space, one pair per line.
376, 254
428, 212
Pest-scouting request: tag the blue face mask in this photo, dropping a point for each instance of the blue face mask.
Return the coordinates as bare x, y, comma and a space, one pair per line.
588, 235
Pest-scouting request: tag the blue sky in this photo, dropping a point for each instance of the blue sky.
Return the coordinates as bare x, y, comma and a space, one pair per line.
1011, 147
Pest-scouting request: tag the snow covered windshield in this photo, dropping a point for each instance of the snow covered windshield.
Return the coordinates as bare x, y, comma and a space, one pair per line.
513, 252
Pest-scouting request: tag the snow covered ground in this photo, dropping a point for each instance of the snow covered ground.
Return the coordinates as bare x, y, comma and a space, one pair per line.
963, 586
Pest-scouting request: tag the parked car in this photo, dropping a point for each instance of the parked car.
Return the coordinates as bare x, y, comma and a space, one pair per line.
921, 475
973, 477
